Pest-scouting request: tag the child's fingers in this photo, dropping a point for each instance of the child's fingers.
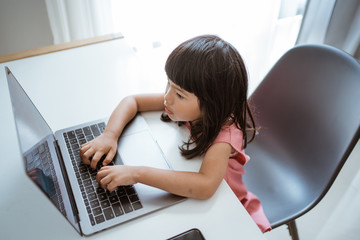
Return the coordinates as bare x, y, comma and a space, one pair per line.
109, 157
104, 182
84, 148
86, 155
112, 186
95, 159
101, 173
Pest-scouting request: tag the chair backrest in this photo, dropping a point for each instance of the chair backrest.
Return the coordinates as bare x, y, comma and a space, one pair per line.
308, 111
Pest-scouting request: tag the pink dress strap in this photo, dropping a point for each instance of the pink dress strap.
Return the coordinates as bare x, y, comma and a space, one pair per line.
233, 136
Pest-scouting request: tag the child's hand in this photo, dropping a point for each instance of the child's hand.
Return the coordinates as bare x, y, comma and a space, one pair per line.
110, 177
92, 152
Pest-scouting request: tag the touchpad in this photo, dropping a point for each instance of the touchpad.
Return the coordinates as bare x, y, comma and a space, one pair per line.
140, 149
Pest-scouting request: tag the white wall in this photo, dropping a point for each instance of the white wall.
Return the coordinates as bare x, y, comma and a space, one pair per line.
24, 24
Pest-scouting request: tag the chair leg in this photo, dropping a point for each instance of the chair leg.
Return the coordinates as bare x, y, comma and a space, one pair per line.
293, 230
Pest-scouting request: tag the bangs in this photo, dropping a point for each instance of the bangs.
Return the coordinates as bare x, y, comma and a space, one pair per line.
191, 63
182, 68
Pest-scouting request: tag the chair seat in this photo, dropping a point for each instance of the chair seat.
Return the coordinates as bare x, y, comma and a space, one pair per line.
283, 191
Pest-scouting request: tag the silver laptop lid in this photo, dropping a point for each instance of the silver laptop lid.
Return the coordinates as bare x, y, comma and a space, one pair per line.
36, 141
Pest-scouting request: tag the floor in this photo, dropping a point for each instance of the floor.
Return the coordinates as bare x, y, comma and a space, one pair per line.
337, 216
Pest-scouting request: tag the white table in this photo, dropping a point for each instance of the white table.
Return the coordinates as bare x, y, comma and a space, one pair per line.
86, 83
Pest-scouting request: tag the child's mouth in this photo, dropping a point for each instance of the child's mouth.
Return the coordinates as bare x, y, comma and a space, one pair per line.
168, 111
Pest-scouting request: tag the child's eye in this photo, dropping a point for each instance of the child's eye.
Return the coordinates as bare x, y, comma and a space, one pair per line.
179, 96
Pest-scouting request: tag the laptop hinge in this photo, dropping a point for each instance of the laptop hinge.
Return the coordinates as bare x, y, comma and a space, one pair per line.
67, 183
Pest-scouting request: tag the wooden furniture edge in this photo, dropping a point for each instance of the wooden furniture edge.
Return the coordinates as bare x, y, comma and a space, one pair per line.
57, 47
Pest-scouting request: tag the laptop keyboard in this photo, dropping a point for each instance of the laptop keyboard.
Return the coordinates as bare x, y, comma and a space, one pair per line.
101, 204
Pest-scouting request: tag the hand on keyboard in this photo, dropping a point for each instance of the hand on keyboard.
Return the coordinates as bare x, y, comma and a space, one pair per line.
92, 152
110, 177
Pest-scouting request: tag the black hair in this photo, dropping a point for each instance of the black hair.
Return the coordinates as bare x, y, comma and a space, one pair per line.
214, 71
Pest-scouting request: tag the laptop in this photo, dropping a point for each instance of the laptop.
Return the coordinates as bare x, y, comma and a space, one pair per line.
52, 162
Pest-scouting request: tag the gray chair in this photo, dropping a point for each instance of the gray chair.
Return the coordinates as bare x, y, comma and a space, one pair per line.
308, 111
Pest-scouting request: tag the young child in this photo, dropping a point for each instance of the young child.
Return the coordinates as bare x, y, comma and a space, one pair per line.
206, 90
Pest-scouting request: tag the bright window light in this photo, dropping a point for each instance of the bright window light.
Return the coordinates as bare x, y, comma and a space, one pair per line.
261, 30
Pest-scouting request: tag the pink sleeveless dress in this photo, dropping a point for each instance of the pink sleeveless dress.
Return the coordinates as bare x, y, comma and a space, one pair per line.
233, 176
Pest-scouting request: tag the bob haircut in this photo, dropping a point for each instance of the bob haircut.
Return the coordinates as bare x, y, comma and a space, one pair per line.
214, 71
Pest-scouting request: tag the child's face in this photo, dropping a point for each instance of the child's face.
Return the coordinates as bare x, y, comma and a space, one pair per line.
180, 104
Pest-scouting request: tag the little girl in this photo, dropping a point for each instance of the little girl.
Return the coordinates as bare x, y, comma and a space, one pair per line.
206, 90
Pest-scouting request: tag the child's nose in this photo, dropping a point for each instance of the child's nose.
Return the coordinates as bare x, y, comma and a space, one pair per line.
167, 98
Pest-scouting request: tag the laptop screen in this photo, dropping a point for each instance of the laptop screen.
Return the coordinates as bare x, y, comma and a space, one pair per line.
36, 143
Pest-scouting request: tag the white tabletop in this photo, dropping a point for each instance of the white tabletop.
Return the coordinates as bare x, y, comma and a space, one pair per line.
83, 84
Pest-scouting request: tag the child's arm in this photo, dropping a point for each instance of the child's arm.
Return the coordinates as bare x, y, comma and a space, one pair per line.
201, 185
106, 143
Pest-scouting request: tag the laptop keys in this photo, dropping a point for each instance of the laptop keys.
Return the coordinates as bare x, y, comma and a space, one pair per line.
108, 213
101, 205
117, 209
92, 221
71, 134
95, 130
87, 131
100, 219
